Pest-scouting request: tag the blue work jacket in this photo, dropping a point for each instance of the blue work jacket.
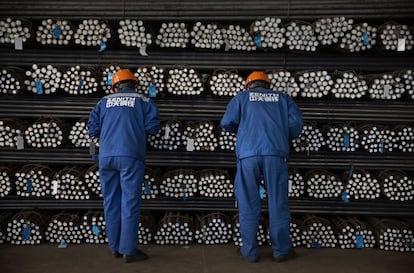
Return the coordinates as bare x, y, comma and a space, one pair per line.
122, 121
265, 121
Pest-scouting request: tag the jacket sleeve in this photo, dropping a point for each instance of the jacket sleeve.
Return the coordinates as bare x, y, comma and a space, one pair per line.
295, 119
152, 120
94, 125
231, 119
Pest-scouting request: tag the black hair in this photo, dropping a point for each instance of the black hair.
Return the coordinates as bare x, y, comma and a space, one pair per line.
259, 83
126, 84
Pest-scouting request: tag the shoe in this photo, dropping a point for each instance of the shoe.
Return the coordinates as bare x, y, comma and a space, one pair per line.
116, 254
290, 255
244, 258
140, 256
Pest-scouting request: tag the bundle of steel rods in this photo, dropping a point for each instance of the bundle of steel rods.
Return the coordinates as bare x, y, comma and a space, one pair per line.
93, 227
132, 33
315, 84
353, 233
237, 37
215, 183
265, 33
342, 138
213, 228
310, 140
174, 228
349, 85
79, 80
150, 185
91, 178
54, 32
408, 77
262, 235
44, 133
361, 185
5, 181
78, 134
397, 185
295, 232
43, 79
145, 231
330, 30
199, 136
206, 36
26, 228
184, 81
268, 32
318, 232
377, 139
227, 140
10, 130
301, 36
150, 80
29, 227
92, 32
405, 136
323, 184
392, 234
284, 81
13, 29
226, 83
361, 37
68, 184
296, 183
173, 35
396, 37
386, 86
5, 217
11, 80
106, 80
181, 183
34, 180
169, 136
63, 229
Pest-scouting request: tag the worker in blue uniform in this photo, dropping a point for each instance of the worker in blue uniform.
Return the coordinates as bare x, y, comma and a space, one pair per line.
265, 122
121, 121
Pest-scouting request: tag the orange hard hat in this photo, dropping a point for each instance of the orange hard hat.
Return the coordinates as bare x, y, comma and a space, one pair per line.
256, 76
122, 75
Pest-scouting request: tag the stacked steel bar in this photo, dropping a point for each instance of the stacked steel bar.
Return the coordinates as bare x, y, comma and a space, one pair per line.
396, 185
168, 137
63, 229
181, 183
68, 184
393, 234
93, 227
353, 233
323, 184
199, 136
34, 181
174, 228
213, 228
318, 232
26, 228
215, 183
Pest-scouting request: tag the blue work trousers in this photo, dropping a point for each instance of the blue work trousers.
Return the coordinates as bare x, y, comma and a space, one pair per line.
274, 171
121, 181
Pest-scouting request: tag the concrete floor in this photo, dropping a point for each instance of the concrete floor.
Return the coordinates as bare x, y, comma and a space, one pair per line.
85, 258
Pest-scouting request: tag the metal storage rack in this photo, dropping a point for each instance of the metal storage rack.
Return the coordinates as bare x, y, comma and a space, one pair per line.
209, 107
